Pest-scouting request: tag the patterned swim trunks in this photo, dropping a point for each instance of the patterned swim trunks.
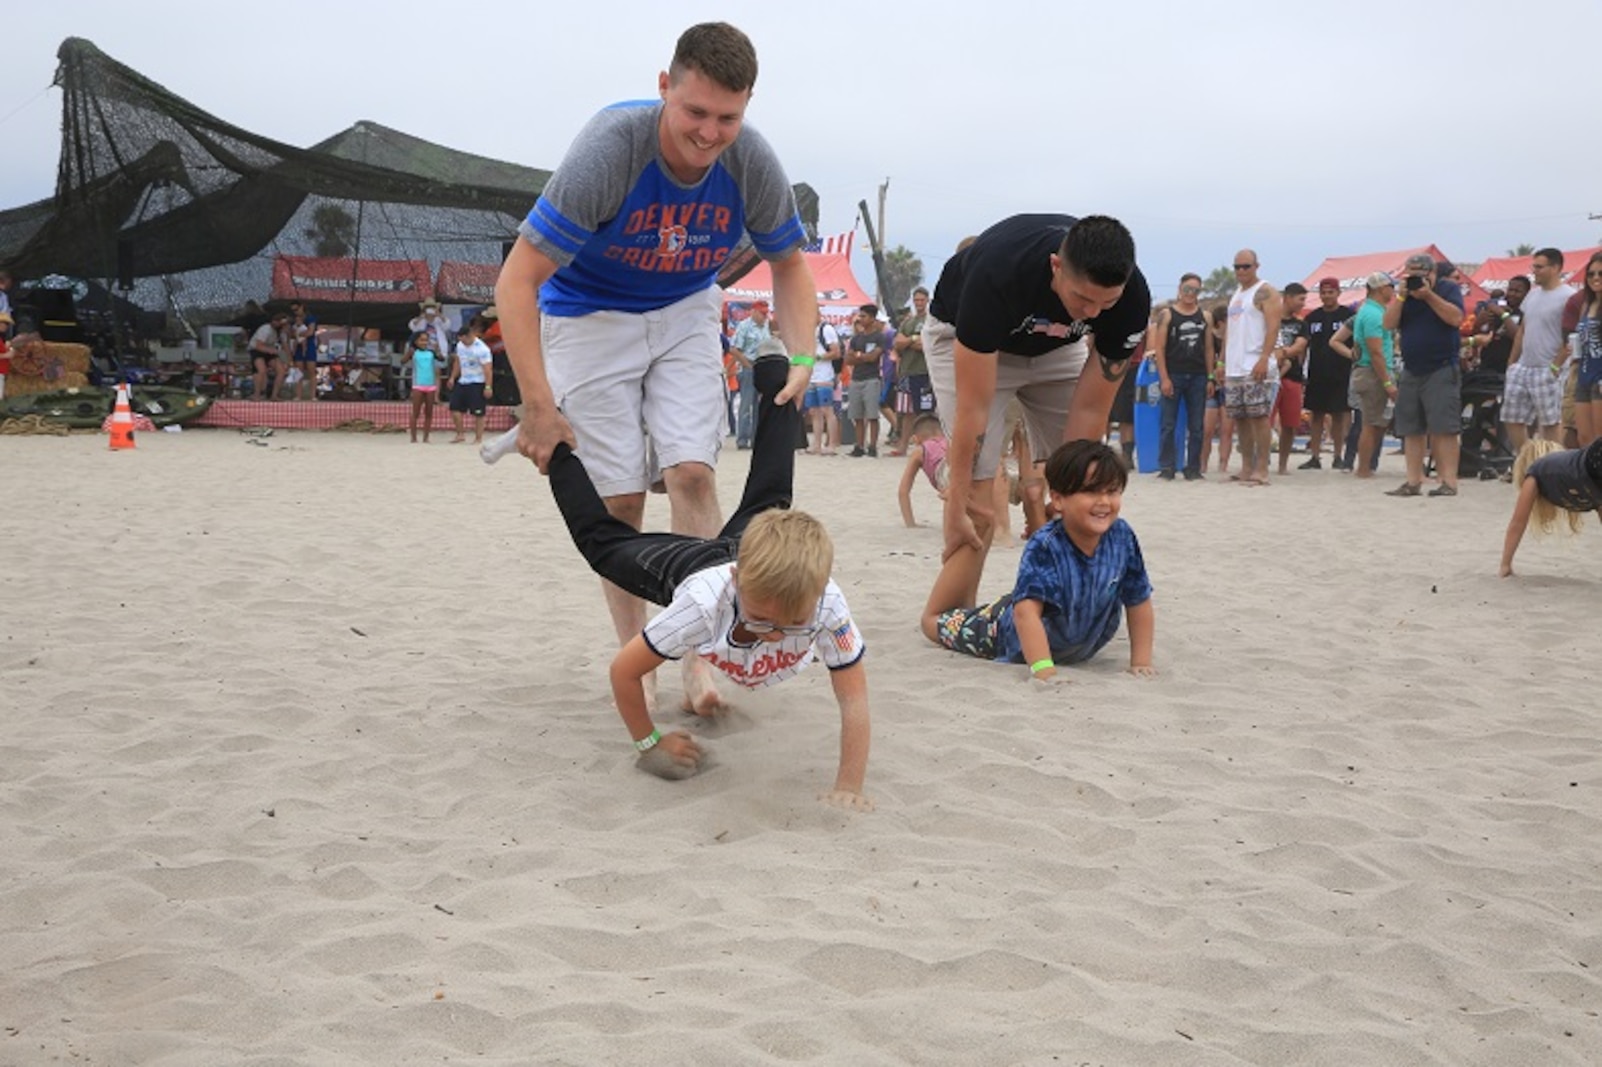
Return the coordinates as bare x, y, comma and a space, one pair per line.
972, 631
1248, 398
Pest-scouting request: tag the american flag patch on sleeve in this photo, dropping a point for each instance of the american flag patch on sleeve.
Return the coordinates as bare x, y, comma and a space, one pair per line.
845, 638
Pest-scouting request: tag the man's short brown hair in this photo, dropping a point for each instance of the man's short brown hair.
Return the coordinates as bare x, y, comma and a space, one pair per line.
720, 52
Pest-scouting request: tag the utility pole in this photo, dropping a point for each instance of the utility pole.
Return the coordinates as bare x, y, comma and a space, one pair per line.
877, 247
884, 191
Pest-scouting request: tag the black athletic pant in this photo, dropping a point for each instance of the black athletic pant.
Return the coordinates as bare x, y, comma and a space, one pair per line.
651, 565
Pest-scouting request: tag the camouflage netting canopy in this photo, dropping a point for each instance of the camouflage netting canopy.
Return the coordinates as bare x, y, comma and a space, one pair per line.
191, 215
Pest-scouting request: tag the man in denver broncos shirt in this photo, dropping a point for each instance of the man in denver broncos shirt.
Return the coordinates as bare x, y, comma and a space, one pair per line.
608, 304
1019, 313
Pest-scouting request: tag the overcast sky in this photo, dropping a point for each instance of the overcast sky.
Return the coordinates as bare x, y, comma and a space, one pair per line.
1263, 125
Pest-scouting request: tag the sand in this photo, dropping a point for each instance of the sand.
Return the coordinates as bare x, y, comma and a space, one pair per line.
309, 758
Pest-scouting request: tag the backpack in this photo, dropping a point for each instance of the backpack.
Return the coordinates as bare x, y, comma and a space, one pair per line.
839, 364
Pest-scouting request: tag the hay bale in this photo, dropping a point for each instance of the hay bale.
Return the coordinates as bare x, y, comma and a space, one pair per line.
74, 358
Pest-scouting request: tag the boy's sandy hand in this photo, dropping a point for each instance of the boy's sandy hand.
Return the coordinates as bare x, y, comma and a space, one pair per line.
1143, 670
1049, 682
676, 756
846, 800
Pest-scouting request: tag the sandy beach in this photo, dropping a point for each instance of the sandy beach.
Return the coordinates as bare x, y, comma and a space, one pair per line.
309, 758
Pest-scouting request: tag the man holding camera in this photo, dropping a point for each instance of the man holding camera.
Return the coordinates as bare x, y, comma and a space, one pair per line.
1429, 394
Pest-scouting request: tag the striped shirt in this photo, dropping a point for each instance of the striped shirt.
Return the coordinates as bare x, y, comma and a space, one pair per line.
1082, 597
701, 620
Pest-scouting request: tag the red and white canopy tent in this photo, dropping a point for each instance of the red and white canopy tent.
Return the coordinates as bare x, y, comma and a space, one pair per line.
839, 294
1353, 272
1496, 273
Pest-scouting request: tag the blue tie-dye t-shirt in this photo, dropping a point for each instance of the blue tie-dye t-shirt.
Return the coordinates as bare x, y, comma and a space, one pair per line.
1082, 597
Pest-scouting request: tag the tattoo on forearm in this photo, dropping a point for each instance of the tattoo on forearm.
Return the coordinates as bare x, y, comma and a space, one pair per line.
1112, 369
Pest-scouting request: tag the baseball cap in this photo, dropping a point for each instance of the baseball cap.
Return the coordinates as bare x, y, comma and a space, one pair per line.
1379, 280
1593, 460
1421, 261
1329, 283
1444, 268
763, 304
773, 346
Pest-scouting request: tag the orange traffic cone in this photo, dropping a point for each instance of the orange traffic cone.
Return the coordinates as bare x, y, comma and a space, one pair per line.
122, 424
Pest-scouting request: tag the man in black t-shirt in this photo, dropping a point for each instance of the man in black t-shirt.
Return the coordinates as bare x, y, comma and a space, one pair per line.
1291, 354
1329, 375
1032, 302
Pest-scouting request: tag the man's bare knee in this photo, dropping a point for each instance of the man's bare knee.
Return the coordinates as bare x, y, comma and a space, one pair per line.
629, 507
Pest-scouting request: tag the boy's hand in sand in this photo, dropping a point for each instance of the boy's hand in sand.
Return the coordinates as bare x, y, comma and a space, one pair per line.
1143, 670
846, 800
1505, 571
676, 756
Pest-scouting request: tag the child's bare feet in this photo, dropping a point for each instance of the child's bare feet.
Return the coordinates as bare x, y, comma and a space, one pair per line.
701, 694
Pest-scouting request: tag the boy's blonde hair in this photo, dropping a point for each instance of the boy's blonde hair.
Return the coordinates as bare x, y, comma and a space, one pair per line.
1544, 516
786, 557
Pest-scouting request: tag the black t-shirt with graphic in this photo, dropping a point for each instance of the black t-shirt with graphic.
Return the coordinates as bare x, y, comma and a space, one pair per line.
1321, 326
1289, 330
997, 293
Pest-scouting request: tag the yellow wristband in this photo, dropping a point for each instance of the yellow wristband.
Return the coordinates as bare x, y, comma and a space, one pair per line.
1039, 665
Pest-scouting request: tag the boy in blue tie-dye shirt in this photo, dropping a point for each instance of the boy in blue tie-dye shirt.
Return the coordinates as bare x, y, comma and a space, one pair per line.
1077, 577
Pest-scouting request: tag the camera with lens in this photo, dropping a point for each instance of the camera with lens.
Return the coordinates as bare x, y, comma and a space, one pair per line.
1414, 283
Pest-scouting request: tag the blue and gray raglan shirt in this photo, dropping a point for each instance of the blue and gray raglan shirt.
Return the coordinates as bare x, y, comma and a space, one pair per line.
627, 236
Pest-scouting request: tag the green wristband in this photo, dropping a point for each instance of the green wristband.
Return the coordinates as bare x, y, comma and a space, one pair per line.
648, 742
1039, 665
802, 361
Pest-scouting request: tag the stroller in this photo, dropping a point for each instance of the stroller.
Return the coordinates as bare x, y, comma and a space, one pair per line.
1485, 453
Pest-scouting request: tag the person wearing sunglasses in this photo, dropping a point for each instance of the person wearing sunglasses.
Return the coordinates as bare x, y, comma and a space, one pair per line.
1183, 347
1588, 355
1251, 371
756, 602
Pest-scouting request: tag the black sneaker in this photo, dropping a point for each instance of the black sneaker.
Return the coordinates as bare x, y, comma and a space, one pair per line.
1195, 476
1314, 464
873, 452
857, 453
1166, 476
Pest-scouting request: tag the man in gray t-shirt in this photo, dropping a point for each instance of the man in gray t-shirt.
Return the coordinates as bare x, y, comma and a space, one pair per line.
608, 303
1533, 394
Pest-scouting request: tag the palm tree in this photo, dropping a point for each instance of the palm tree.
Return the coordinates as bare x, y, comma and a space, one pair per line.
332, 230
903, 271
1220, 283
1521, 250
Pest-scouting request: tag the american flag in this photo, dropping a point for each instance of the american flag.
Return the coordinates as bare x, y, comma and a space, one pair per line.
835, 245
845, 638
